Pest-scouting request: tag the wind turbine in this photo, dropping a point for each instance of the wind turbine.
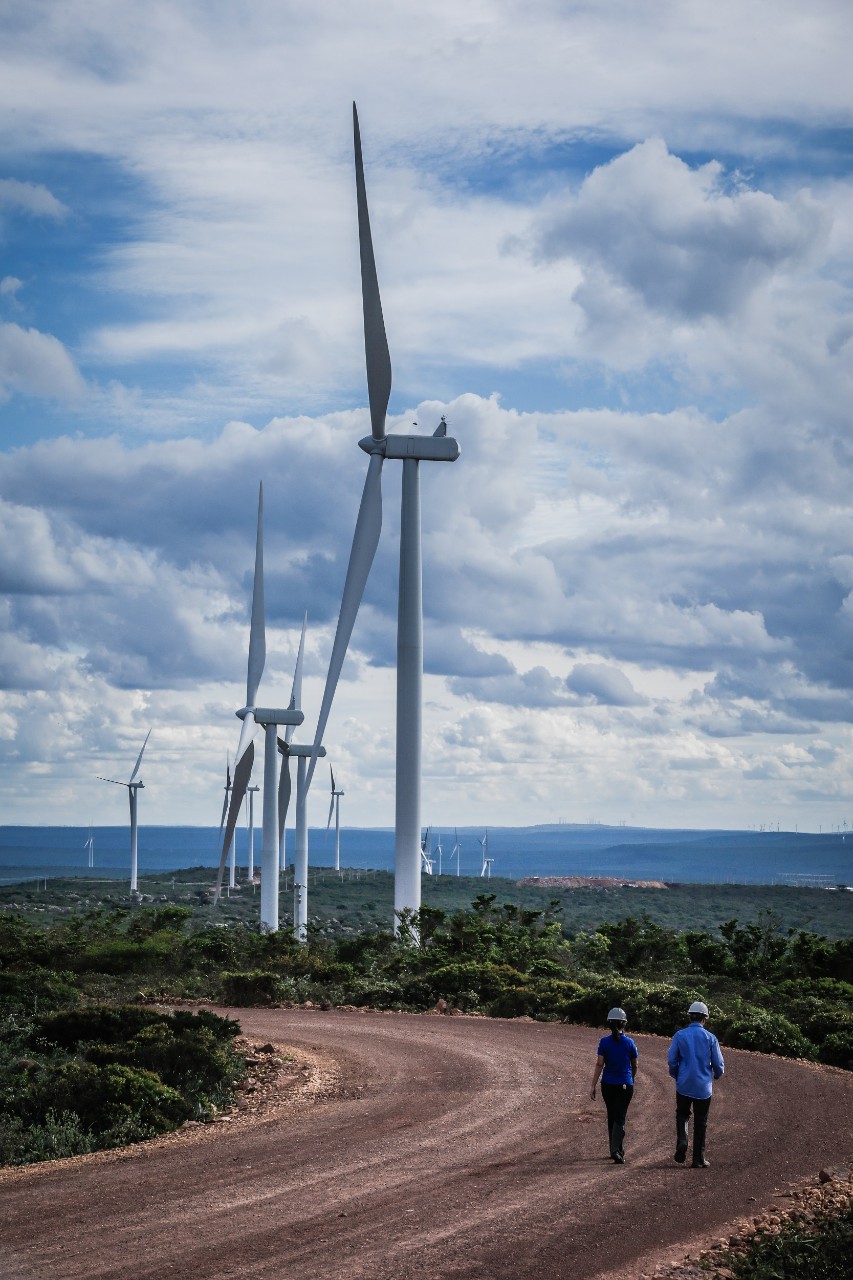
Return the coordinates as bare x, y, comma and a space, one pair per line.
231, 859
411, 450
457, 849
268, 718
486, 869
426, 851
89, 846
250, 791
132, 789
302, 754
335, 808
440, 852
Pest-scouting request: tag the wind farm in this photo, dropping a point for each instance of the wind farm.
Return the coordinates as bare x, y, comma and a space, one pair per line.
560, 728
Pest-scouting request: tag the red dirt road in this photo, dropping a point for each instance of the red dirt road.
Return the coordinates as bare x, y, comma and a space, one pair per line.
430, 1148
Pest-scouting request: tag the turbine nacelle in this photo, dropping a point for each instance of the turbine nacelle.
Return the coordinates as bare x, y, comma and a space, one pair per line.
422, 448
271, 715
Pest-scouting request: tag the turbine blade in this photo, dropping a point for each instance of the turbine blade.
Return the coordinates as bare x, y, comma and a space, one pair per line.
114, 781
139, 757
247, 733
331, 811
332, 776
296, 691
257, 634
284, 787
242, 777
364, 543
376, 353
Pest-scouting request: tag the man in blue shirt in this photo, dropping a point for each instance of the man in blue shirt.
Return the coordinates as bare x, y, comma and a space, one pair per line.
694, 1061
617, 1059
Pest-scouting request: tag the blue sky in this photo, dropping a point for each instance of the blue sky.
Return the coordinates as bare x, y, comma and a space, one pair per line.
615, 245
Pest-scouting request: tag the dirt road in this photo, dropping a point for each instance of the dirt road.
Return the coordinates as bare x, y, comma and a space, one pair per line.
430, 1148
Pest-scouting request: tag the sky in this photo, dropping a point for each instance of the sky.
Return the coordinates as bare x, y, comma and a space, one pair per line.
615, 248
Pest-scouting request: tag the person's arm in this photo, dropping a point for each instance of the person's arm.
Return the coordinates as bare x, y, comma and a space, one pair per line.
673, 1058
635, 1065
717, 1064
599, 1067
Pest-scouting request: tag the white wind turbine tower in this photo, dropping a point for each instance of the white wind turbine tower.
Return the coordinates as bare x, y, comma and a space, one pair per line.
132, 789
302, 754
411, 450
486, 869
250, 871
269, 718
89, 846
439, 852
457, 849
335, 808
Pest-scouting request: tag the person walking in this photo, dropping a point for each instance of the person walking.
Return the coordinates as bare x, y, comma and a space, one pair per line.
616, 1064
695, 1061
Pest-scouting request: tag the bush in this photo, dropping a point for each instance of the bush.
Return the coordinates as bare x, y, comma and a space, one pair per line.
57, 1137
837, 1049
37, 988
250, 987
657, 1007
748, 1027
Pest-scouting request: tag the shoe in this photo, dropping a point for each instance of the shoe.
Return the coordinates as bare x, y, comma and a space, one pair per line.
680, 1141
618, 1157
699, 1162
680, 1153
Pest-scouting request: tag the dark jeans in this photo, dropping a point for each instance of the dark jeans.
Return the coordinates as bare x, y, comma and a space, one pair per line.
700, 1106
617, 1100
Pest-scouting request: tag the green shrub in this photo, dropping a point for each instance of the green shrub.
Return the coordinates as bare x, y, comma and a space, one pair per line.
837, 1049
251, 987
657, 1007
748, 1027
36, 988
821, 1251
57, 1137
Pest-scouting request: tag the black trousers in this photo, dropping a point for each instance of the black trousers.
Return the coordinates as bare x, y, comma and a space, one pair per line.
701, 1107
617, 1100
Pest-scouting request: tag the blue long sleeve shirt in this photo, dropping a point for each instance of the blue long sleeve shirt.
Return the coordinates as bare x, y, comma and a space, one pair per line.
695, 1061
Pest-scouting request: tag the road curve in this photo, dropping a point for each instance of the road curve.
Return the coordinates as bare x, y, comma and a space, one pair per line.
427, 1147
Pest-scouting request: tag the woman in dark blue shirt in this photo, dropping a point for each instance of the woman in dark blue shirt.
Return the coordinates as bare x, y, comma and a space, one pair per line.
617, 1066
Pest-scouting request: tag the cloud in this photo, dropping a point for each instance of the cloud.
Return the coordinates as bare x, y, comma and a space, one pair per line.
675, 237
35, 363
32, 198
605, 685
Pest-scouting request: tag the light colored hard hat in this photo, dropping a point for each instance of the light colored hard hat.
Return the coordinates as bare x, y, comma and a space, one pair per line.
699, 1007
617, 1015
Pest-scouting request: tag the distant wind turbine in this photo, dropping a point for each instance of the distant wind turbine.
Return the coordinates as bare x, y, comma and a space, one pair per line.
426, 851
268, 718
250, 792
457, 849
411, 450
132, 788
486, 869
89, 846
302, 755
439, 851
335, 808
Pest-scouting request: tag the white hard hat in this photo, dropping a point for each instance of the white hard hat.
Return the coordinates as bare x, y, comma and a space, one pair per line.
699, 1007
617, 1015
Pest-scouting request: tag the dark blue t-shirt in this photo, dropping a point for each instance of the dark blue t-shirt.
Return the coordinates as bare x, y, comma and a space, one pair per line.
617, 1052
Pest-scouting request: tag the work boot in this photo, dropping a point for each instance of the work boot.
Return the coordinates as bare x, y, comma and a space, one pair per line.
680, 1140
699, 1161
